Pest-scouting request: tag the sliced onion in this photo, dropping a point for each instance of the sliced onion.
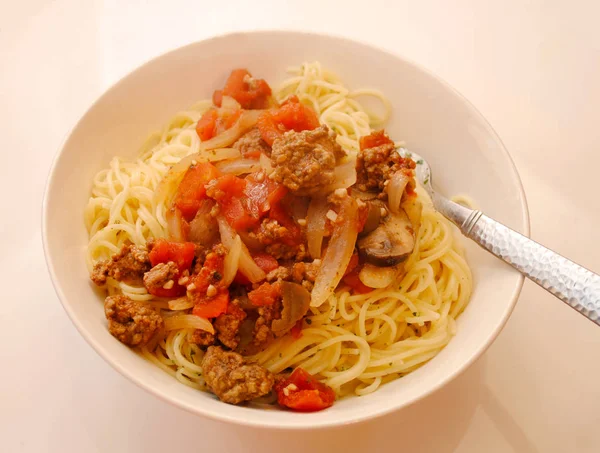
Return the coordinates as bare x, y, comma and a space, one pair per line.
188, 322
246, 265
265, 163
315, 225
232, 261
345, 176
206, 155
227, 138
229, 103
227, 233
203, 228
413, 208
338, 254
395, 189
217, 154
182, 303
239, 166
213, 150
298, 207
377, 277
296, 302
168, 186
175, 225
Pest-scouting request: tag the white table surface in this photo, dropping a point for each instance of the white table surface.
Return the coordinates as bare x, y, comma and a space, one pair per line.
531, 67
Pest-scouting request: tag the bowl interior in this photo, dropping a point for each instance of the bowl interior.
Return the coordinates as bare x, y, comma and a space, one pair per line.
435, 121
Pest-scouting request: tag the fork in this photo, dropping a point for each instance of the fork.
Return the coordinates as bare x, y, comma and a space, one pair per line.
575, 285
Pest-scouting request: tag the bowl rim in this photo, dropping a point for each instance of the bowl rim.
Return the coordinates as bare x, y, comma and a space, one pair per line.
524, 228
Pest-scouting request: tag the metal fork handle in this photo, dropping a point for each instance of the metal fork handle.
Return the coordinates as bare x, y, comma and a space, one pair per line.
570, 282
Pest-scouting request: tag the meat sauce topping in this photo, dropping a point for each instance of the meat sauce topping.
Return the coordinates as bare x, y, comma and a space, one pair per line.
265, 213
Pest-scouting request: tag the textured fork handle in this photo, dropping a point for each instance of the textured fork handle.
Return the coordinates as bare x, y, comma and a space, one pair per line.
570, 282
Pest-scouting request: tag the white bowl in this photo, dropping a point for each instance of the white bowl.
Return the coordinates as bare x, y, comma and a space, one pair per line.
433, 119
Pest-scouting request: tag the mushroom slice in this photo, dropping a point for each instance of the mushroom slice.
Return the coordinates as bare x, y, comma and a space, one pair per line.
296, 302
373, 217
390, 243
378, 277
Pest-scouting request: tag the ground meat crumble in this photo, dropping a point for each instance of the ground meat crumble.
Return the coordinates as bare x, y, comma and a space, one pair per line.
228, 325
376, 165
281, 273
251, 144
131, 322
128, 265
161, 275
233, 381
275, 238
302, 272
262, 333
304, 161
202, 338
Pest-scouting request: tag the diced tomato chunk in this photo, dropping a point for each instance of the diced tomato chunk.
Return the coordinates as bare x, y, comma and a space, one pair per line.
213, 123
180, 253
351, 264
363, 216
244, 202
206, 125
302, 392
376, 138
294, 235
237, 214
292, 115
306, 401
217, 97
353, 281
265, 192
233, 203
211, 307
227, 122
192, 191
265, 294
251, 93
229, 186
265, 261
211, 273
